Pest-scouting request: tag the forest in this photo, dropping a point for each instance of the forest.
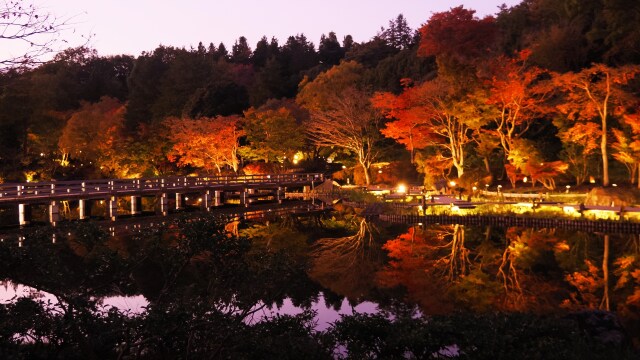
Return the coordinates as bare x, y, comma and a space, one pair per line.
547, 91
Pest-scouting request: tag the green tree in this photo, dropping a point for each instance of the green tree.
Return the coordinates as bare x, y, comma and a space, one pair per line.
273, 132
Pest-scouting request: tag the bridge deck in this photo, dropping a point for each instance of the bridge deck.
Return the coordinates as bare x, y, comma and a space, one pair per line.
26, 193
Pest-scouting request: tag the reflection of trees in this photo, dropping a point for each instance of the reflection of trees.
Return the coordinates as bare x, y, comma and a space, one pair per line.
604, 304
205, 285
446, 266
591, 286
429, 264
345, 264
523, 268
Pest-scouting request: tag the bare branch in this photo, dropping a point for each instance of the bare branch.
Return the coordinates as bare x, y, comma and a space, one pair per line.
32, 32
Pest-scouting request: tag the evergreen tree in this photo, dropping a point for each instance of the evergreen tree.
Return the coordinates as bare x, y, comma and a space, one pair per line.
241, 52
398, 35
329, 51
223, 53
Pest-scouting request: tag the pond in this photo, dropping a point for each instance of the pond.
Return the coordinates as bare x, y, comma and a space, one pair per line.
343, 287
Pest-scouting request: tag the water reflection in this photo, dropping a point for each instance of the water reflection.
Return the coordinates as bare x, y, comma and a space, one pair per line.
157, 289
448, 267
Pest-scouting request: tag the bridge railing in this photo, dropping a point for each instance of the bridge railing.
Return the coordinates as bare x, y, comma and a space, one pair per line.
12, 191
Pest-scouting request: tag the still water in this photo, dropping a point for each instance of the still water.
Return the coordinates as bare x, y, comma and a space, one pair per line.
322, 289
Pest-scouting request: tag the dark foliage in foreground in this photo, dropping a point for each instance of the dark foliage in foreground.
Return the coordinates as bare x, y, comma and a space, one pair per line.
192, 331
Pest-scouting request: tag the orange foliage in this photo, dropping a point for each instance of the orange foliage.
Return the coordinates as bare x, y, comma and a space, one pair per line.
597, 93
580, 142
260, 168
587, 284
411, 267
94, 133
457, 34
430, 115
545, 173
208, 143
518, 96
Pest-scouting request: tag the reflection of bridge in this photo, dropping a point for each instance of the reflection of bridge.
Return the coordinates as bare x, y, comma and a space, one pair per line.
130, 225
209, 192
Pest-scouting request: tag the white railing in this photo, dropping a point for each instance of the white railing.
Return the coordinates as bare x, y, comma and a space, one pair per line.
12, 192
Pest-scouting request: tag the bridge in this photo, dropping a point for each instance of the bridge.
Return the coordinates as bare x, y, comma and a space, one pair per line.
210, 191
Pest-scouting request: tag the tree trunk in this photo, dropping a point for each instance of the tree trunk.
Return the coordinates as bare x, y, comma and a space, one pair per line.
367, 177
605, 160
460, 169
486, 165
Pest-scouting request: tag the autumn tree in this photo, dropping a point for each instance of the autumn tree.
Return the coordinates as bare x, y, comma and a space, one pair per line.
94, 134
273, 132
207, 143
517, 96
432, 114
580, 143
596, 93
525, 159
627, 145
486, 145
625, 152
341, 115
458, 39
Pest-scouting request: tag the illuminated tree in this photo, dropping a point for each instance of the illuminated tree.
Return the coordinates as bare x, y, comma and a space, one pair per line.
341, 116
580, 143
94, 134
208, 143
525, 160
517, 97
596, 93
627, 146
273, 132
486, 144
626, 152
430, 115
350, 124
